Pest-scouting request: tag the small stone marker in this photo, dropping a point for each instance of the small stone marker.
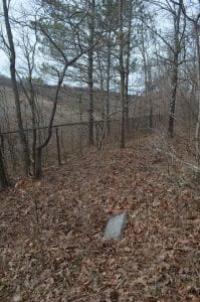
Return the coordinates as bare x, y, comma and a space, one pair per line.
115, 227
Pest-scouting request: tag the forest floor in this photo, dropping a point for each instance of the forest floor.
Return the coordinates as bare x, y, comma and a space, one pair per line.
51, 231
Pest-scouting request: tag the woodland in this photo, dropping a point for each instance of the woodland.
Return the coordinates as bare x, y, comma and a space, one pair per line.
99, 115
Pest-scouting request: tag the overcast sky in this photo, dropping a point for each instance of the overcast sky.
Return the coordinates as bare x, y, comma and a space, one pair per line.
18, 6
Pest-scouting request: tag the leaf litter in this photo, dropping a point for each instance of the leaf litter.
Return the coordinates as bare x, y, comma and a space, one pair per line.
51, 232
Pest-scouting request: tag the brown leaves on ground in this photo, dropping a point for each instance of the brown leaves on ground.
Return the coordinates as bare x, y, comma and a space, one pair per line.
51, 232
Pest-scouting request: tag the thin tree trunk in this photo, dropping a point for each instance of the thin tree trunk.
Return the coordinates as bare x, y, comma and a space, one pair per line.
24, 143
38, 161
174, 84
32, 102
122, 93
150, 89
128, 55
34, 144
61, 76
147, 77
108, 84
34, 119
3, 175
122, 73
101, 73
175, 70
58, 146
198, 94
91, 70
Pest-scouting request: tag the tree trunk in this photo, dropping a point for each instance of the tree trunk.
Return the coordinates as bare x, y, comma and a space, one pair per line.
128, 54
38, 163
108, 85
174, 84
197, 33
122, 73
31, 97
91, 24
39, 149
24, 143
175, 70
32, 103
3, 175
61, 76
150, 89
122, 93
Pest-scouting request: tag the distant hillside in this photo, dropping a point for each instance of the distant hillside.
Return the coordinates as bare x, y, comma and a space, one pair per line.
73, 104
5, 81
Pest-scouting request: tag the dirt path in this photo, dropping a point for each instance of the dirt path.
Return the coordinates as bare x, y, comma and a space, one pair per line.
51, 232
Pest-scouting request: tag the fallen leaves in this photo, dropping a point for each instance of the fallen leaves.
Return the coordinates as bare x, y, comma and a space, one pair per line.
51, 232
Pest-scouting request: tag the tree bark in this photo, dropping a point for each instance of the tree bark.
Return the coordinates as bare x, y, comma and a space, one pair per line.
24, 143
175, 70
122, 72
91, 24
127, 64
174, 84
197, 34
108, 84
3, 175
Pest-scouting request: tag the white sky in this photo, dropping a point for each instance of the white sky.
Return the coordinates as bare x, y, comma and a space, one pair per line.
17, 6
20, 5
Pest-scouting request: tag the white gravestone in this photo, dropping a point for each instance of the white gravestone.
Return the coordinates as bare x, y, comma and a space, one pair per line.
115, 227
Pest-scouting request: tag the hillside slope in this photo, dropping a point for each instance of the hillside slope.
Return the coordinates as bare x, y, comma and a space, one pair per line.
51, 232
73, 104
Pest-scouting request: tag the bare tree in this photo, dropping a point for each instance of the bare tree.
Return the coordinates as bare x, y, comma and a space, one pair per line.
29, 50
122, 69
128, 59
176, 50
91, 27
195, 20
66, 63
144, 45
12, 57
61, 76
